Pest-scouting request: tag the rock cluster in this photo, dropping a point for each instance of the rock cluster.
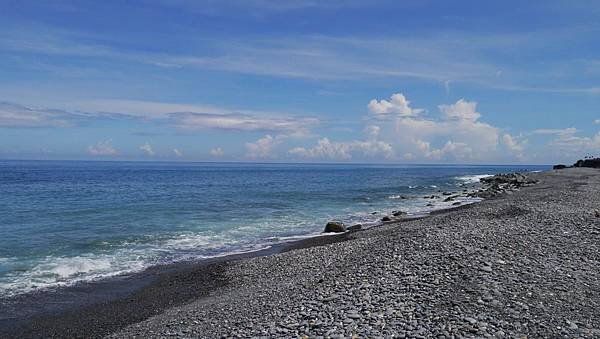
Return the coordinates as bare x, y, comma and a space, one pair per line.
503, 183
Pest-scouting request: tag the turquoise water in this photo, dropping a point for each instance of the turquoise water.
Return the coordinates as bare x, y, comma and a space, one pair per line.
64, 222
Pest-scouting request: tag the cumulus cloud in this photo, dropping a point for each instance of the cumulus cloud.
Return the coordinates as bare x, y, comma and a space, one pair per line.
566, 139
458, 133
397, 105
147, 149
177, 152
261, 148
102, 148
216, 152
452, 149
516, 145
325, 149
513, 144
597, 122
372, 130
462, 110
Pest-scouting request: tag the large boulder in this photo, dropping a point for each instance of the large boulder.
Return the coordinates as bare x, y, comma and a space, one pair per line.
559, 166
335, 227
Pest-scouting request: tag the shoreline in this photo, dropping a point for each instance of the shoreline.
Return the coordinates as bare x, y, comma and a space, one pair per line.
373, 218
87, 302
521, 264
115, 302
121, 301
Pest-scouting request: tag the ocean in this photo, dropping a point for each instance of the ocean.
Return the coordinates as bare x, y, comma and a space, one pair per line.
63, 222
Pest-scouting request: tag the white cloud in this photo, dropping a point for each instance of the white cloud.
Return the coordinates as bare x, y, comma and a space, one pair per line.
456, 136
177, 152
261, 148
451, 150
15, 115
459, 138
373, 148
397, 105
241, 122
326, 149
462, 110
566, 140
216, 152
372, 130
597, 122
186, 117
513, 144
556, 131
103, 147
147, 149
439, 56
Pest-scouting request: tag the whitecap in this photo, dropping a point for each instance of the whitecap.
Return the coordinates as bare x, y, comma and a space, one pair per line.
471, 179
394, 197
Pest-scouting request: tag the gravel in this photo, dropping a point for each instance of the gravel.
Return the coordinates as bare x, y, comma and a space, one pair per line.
515, 265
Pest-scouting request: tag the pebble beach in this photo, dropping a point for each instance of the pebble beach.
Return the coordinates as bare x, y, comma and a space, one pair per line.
522, 263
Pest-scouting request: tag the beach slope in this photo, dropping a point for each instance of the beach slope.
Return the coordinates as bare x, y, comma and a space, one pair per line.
524, 263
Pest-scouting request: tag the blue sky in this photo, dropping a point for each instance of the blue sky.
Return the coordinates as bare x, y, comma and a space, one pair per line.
300, 81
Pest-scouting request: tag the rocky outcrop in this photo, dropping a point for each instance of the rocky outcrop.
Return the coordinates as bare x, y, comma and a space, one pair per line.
590, 162
503, 183
587, 162
334, 227
513, 179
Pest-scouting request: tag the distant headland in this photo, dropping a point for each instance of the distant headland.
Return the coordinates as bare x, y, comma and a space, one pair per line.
585, 162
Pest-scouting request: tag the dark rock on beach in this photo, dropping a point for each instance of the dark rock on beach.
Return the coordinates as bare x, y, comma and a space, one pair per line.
398, 213
559, 166
334, 227
386, 218
355, 228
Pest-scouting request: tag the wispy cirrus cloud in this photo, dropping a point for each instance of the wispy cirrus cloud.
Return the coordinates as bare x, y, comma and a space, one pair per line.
15, 115
448, 57
240, 122
197, 117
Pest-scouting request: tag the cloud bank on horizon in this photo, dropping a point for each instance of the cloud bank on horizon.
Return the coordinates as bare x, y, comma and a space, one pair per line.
415, 82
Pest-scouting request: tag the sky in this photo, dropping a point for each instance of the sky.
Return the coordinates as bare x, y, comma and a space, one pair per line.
365, 81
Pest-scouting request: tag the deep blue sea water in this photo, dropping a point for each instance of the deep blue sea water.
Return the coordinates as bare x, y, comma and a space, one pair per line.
66, 221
